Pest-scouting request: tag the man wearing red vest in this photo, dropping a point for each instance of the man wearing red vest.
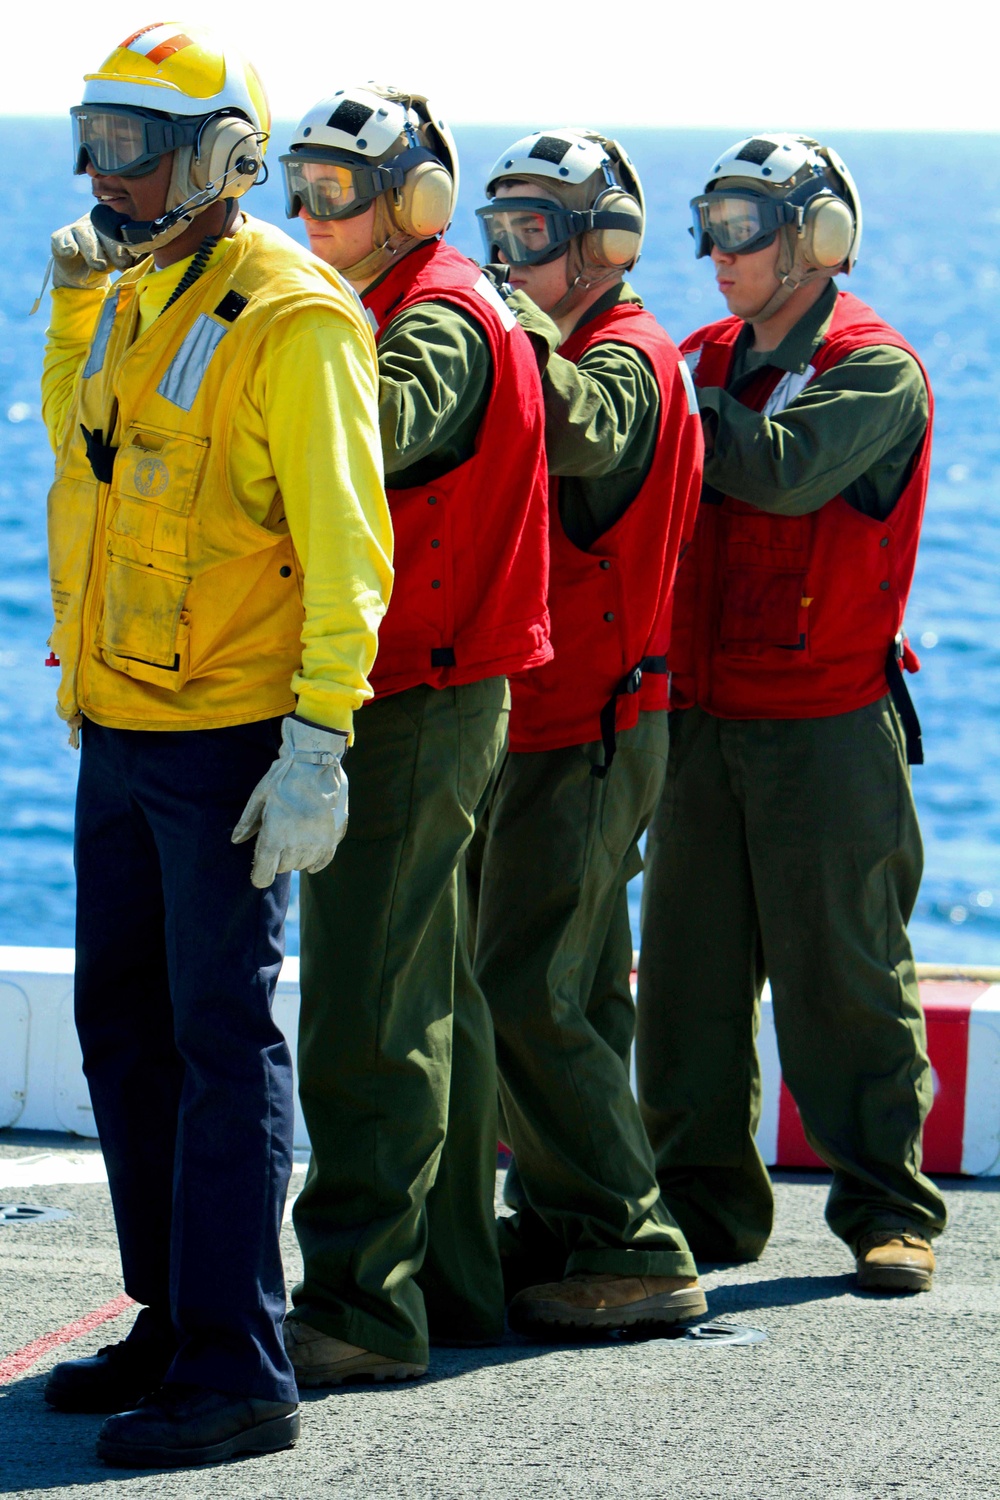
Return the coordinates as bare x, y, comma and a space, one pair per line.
786, 845
590, 1245
396, 1063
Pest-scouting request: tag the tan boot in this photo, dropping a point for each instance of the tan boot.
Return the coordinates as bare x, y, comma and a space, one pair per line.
894, 1260
606, 1302
319, 1359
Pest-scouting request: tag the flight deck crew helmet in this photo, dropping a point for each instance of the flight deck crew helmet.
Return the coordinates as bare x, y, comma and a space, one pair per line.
781, 185
374, 144
598, 216
172, 87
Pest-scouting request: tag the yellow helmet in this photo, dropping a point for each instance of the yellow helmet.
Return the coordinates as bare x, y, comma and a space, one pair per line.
173, 87
179, 70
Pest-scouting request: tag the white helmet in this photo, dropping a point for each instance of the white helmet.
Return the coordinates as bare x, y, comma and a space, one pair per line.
788, 185
599, 204
374, 144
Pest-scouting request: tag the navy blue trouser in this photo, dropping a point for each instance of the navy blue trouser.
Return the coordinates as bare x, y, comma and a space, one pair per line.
177, 957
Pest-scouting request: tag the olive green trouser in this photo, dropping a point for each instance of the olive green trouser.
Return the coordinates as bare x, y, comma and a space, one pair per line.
786, 849
553, 957
396, 1065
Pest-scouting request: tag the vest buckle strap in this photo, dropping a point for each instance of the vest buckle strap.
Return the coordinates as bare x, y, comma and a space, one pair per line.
100, 455
630, 683
442, 656
904, 703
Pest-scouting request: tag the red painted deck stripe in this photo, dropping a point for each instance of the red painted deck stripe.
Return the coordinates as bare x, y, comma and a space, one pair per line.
16, 1364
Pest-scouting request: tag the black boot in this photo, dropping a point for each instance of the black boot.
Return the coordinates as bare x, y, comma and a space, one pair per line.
115, 1378
180, 1425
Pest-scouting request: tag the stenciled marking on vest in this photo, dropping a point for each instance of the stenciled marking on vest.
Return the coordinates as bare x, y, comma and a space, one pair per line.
791, 384
99, 348
151, 477
186, 370
489, 294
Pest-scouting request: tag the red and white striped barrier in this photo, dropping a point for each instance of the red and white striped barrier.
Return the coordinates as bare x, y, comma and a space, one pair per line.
962, 1133
42, 1086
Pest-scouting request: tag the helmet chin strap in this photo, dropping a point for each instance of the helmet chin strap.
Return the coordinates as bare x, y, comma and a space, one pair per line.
389, 244
791, 275
584, 280
141, 234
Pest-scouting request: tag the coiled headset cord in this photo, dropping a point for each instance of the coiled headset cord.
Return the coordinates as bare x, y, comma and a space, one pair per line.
199, 262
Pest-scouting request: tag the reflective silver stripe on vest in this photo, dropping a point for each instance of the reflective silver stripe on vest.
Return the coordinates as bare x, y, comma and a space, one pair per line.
791, 384
99, 348
187, 368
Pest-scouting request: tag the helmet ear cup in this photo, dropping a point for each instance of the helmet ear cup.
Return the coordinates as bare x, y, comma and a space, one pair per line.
614, 248
422, 206
828, 233
228, 144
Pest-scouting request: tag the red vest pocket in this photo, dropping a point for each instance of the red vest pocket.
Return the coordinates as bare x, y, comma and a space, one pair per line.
761, 607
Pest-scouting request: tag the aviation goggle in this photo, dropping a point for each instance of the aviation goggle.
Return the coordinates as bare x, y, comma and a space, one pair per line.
125, 142
738, 222
534, 231
333, 186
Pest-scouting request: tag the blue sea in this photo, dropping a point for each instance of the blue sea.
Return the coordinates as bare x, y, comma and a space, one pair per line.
930, 263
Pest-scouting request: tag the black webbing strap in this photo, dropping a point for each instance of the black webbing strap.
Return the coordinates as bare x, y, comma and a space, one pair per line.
442, 656
100, 455
904, 703
656, 665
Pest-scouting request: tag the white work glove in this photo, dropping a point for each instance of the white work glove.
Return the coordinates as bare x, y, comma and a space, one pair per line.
299, 806
85, 259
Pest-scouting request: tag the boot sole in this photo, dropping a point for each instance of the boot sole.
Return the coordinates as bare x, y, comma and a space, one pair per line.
679, 1307
357, 1369
268, 1437
895, 1279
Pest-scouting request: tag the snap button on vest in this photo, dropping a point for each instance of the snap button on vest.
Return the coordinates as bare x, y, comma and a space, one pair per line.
610, 615
605, 564
884, 542
436, 583
884, 584
435, 543
285, 572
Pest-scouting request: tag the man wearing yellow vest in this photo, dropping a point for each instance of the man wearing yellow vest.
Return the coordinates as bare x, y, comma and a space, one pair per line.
220, 548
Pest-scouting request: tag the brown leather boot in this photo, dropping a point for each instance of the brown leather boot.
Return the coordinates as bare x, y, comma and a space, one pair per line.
318, 1359
605, 1302
894, 1260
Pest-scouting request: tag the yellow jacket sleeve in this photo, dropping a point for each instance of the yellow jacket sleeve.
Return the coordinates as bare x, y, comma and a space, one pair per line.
316, 387
74, 318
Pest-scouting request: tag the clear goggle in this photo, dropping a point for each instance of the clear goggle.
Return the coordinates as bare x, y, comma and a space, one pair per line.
330, 186
736, 222
529, 231
125, 142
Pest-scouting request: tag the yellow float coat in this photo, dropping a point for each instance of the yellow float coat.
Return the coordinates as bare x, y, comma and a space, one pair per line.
241, 555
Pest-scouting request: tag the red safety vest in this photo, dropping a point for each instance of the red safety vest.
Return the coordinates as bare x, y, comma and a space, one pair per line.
611, 604
794, 617
471, 549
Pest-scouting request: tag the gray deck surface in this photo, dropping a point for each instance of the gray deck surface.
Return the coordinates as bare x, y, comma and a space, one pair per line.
852, 1395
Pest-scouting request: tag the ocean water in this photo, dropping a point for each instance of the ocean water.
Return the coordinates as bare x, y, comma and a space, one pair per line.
930, 263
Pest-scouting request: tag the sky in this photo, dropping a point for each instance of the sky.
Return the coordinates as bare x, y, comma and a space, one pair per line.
878, 65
